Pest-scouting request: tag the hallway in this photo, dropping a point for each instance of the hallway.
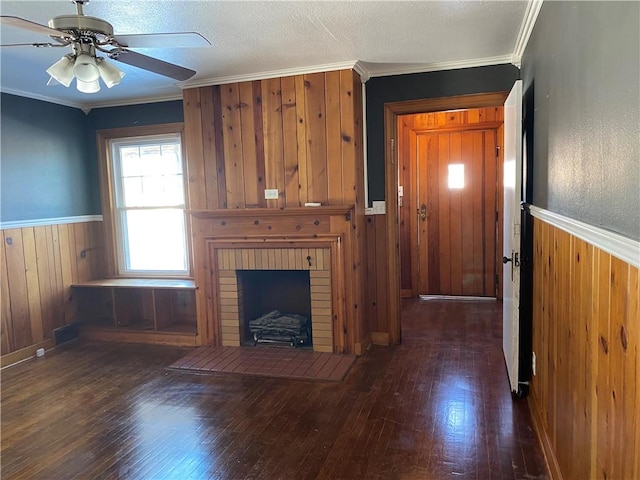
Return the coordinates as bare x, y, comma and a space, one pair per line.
437, 407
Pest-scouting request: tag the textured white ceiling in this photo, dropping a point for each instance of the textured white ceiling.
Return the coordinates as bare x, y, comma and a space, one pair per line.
252, 38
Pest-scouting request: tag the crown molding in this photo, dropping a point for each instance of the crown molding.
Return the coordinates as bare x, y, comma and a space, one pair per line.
42, 222
405, 69
44, 98
619, 246
526, 27
361, 70
137, 101
285, 72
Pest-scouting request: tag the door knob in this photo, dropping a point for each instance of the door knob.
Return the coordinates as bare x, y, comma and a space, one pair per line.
423, 212
514, 259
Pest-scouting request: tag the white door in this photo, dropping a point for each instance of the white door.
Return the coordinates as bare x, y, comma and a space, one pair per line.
511, 249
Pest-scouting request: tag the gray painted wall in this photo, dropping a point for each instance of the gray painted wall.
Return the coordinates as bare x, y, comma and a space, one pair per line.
400, 88
49, 165
581, 71
44, 167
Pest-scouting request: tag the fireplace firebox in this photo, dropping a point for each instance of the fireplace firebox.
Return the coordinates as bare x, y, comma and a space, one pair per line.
305, 272
275, 306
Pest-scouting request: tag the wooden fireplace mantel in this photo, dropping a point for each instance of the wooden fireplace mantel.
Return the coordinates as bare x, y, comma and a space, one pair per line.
273, 231
273, 212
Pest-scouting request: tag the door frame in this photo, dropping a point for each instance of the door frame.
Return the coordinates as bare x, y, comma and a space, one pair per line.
391, 112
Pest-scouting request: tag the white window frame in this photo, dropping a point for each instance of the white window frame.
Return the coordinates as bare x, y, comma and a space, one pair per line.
111, 185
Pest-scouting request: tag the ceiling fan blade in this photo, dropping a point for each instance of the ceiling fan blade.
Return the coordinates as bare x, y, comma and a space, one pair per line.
163, 40
34, 27
39, 45
152, 64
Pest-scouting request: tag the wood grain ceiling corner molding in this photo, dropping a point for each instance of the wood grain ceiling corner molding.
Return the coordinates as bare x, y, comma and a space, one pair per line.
619, 246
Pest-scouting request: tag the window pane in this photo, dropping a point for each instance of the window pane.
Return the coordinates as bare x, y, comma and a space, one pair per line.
155, 240
150, 160
152, 191
456, 176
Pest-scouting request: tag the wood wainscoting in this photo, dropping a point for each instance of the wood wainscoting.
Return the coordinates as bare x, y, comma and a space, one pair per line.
39, 265
377, 280
585, 395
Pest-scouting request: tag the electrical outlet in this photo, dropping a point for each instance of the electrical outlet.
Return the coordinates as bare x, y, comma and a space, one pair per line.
271, 194
533, 363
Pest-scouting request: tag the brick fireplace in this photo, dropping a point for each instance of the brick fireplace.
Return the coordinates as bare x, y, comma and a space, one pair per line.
317, 261
314, 239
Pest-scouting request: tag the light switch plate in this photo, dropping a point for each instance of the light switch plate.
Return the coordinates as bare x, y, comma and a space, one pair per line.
271, 193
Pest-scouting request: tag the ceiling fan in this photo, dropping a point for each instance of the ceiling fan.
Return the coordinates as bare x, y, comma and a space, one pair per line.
89, 35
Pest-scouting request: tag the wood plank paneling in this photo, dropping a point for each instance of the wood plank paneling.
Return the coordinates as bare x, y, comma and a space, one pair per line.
299, 134
253, 182
586, 340
316, 137
273, 140
290, 142
196, 145
233, 145
335, 174
38, 266
207, 195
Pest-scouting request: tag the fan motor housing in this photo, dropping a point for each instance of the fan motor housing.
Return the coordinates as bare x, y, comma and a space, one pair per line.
81, 23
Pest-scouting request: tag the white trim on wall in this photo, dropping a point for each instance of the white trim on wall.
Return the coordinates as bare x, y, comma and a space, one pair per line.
286, 72
526, 27
386, 70
619, 246
42, 222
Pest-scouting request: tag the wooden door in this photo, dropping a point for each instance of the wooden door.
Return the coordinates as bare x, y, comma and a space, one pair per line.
456, 199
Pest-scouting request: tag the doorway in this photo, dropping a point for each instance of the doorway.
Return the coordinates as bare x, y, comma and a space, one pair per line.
391, 112
450, 187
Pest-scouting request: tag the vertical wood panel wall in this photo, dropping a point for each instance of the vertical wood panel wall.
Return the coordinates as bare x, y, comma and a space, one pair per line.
301, 135
377, 286
39, 264
586, 337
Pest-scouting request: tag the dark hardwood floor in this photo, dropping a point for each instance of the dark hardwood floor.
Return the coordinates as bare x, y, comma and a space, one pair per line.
436, 407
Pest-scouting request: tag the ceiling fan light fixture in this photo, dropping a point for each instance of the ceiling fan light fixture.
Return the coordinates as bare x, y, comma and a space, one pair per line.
88, 87
85, 68
62, 70
110, 74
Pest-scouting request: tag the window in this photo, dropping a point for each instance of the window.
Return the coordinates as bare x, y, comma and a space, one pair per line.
146, 203
456, 176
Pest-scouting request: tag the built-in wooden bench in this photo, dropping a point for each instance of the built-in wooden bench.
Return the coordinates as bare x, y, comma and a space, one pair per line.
137, 310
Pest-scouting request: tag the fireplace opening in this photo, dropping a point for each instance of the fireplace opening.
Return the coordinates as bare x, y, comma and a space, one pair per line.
275, 307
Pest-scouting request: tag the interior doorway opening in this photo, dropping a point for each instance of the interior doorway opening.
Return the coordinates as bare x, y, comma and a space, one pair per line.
391, 113
449, 174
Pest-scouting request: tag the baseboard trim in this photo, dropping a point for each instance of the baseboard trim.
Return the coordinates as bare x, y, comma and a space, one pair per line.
545, 442
362, 346
24, 353
380, 338
150, 337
